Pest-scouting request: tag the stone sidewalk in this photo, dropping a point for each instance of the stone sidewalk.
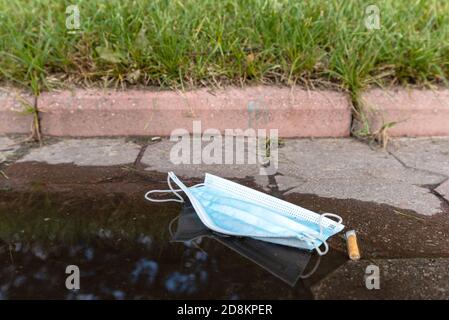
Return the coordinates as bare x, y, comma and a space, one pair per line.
411, 174
408, 184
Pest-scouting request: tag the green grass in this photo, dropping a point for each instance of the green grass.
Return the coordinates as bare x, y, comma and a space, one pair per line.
190, 43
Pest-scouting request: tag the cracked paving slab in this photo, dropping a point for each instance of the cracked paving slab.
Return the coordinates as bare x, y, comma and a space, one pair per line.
86, 152
157, 158
7, 148
397, 194
331, 168
420, 278
345, 158
431, 154
348, 169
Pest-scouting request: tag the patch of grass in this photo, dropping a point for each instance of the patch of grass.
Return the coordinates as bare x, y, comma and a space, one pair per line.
29, 109
189, 43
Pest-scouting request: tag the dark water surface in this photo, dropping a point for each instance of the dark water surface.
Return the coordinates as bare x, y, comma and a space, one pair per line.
123, 250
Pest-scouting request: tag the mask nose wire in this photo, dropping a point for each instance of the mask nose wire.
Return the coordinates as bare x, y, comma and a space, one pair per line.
171, 190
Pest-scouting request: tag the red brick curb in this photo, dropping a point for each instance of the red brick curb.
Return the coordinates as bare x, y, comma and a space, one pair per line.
13, 118
417, 112
295, 112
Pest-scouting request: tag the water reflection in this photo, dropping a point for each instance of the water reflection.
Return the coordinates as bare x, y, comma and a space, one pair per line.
284, 262
145, 270
120, 258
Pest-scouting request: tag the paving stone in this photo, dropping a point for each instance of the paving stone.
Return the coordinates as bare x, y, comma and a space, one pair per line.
430, 154
391, 192
334, 168
348, 169
157, 157
86, 152
7, 148
420, 278
345, 158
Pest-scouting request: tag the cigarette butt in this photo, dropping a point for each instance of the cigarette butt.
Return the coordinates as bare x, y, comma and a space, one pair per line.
353, 248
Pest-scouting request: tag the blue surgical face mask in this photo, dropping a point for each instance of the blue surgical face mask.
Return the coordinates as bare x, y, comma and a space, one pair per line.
229, 208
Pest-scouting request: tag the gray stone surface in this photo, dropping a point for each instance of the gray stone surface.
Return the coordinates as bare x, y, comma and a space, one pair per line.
431, 154
348, 169
443, 190
391, 192
157, 157
333, 168
399, 279
345, 158
7, 148
86, 152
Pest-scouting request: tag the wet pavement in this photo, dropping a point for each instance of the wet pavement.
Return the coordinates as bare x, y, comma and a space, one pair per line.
123, 249
55, 214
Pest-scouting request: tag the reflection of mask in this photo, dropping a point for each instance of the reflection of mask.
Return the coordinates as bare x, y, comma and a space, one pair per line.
284, 262
232, 209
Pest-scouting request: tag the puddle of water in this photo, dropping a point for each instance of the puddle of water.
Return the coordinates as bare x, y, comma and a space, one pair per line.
97, 219
123, 250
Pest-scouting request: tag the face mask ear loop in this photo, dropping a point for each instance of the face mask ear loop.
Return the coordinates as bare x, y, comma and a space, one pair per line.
197, 246
175, 191
326, 246
333, 215
315, 267
313, 239
180, 199
170, 226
